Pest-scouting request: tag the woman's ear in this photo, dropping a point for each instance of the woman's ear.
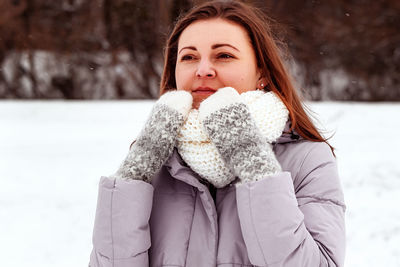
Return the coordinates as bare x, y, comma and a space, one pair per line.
262, 83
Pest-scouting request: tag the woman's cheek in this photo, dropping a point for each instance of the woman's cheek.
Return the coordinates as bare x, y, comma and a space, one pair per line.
183, 80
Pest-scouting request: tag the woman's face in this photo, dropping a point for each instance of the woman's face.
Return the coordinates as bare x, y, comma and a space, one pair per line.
212, 54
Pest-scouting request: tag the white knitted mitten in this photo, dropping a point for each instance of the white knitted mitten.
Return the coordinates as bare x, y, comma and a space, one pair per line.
233, 131
157, 139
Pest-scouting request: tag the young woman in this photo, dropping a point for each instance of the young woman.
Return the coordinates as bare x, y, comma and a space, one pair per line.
228, 170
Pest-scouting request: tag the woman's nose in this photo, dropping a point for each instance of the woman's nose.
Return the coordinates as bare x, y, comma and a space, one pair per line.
205, 69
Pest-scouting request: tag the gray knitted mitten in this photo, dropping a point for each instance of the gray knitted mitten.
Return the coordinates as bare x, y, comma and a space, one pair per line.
157, 139
233, 131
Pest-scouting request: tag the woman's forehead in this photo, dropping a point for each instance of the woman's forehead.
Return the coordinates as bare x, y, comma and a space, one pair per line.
213, 31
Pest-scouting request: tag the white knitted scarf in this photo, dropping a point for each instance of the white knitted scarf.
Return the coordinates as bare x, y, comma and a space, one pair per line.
196, 149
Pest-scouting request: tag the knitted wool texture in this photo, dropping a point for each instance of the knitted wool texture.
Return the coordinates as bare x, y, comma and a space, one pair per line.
157, 139
195, 147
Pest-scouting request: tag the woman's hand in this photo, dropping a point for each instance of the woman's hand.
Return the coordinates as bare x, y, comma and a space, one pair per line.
231, 128
157, 139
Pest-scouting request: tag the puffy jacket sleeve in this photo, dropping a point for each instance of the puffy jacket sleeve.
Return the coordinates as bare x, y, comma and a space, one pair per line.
121, 234
284, 225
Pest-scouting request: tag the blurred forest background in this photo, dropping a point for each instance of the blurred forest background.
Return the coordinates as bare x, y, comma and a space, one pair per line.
113, 49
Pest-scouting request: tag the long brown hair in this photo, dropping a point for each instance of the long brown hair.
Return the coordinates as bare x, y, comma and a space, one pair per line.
264, 43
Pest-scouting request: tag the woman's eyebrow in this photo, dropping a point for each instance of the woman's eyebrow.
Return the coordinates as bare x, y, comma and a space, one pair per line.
220, 45
215, 46
188, 47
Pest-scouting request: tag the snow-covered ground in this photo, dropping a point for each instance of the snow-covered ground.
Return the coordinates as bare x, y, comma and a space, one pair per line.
52, 155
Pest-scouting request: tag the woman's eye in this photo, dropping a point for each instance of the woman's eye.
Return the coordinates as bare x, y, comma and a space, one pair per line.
187, 57
225, 56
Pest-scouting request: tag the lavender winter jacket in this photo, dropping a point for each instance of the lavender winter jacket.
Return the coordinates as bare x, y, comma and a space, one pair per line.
294, 218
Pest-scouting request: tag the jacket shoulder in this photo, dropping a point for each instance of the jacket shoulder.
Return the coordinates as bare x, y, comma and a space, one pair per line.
314, 171
296, 155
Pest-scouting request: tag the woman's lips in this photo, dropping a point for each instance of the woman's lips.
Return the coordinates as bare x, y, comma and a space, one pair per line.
201, 93
204, 91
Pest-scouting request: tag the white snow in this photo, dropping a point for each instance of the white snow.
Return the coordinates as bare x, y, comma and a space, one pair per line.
52, 155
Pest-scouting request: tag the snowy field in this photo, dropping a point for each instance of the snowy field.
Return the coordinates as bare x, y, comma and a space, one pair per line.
52, 155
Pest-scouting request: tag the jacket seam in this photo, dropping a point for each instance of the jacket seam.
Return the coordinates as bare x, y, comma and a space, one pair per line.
240, 264
191, 226
173, 193
322, 201
111, 223
254, 227
322, 251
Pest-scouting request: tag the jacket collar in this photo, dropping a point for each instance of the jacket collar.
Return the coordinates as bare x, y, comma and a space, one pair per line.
181, 171
287, 135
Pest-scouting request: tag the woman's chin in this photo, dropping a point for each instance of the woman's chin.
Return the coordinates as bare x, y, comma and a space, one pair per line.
195, 105
198, 98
